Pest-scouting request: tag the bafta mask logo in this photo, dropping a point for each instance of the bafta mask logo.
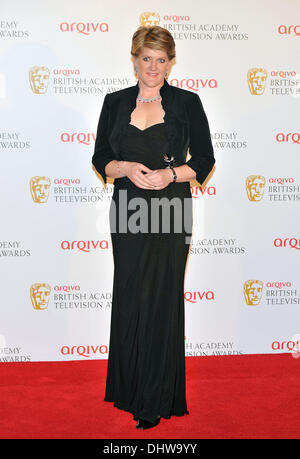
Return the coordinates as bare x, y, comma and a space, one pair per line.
39, 79
257, 78
39, 295
255, 187
40, 188
149, 19
253, 292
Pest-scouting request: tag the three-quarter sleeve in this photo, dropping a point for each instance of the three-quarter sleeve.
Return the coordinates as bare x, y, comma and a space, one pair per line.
103, 152
200, 144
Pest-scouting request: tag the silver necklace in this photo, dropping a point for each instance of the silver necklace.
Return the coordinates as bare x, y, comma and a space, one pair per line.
153, 99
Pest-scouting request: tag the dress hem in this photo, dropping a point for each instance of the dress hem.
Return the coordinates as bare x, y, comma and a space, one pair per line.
135, 417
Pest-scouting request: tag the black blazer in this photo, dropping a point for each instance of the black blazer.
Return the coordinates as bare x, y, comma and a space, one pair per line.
186, 128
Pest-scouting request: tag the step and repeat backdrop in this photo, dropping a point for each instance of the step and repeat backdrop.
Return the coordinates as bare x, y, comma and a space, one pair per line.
58, 61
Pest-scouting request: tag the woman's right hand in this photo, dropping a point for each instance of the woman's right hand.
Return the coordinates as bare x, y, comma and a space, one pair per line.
133, 170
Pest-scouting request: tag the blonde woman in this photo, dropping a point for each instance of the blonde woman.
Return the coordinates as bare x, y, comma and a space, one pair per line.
143, 135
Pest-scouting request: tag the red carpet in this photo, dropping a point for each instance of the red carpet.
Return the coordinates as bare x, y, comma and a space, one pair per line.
250, 396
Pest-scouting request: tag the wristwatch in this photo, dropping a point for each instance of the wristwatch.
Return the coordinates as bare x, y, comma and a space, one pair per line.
174, 174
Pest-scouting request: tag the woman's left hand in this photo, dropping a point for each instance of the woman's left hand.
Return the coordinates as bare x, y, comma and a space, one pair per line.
160, 178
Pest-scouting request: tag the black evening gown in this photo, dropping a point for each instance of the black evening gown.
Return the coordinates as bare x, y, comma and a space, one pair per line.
146, 361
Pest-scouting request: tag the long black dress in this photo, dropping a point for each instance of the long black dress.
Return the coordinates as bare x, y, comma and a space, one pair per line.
146, 362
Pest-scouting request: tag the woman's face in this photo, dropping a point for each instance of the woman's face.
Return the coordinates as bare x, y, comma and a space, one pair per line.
152, 65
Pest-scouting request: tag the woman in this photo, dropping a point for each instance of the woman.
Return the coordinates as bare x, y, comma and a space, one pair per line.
143, 135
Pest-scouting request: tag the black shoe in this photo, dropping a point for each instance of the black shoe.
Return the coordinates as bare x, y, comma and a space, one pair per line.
144, 424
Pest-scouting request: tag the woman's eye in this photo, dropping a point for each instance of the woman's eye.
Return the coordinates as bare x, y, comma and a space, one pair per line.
162, 60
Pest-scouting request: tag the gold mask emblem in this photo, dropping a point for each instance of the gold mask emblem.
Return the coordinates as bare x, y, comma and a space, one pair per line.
39, 295
253, 291
149, 19
39, 79
257, 78
40, 188
255, 187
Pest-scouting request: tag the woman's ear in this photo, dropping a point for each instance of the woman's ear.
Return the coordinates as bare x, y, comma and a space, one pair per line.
134, 61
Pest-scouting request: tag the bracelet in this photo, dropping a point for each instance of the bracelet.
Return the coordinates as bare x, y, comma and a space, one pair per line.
119, 170
174, 174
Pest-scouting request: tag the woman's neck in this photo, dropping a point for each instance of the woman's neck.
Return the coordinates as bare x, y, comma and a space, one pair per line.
148, 92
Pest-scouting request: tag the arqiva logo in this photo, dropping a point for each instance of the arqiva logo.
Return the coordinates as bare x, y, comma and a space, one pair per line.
85, 28
193, 297
291, 137
84, 246
66, 181
289, 30
66, 288
194, 83
84, 351
81, 137
293, 242
174, 18
197, 191
285, 345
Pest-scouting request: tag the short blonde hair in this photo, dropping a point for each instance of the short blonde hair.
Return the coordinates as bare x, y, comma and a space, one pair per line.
154, 37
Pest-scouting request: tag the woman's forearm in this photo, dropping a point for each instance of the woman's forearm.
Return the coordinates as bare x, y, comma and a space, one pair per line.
184, 173
116, 169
